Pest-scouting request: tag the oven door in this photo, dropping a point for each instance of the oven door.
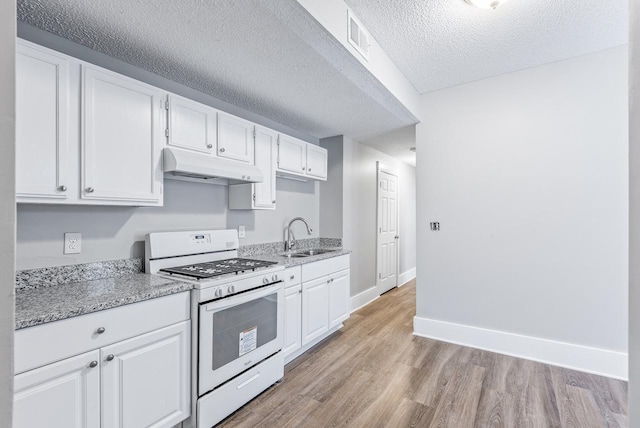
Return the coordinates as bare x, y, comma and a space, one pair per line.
238, 332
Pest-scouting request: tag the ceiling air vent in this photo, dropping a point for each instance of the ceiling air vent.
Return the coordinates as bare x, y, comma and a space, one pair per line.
358, 36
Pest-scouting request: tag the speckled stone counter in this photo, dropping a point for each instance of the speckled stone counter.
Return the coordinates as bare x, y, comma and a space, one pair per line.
35, 306
282, 259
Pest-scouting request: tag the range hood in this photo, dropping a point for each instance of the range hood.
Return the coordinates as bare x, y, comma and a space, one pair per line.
185, 165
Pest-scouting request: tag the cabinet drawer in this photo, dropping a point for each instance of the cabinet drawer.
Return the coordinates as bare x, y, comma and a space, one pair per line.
44, 344
315, 270
292, 276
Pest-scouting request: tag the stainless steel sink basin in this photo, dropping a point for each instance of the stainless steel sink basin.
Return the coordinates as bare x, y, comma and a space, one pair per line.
311, 252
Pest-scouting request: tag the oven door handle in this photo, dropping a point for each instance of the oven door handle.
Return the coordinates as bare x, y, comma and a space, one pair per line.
222, 304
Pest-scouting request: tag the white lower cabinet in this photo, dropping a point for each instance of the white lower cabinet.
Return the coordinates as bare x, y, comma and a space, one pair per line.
317, 301
145, 380
292, 319
139, 381
315, 309
63, 394
339, 296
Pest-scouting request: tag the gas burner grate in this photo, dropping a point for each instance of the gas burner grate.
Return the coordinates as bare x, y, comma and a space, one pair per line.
217, 268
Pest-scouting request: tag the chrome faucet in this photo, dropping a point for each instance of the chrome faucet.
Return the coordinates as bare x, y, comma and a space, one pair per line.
291, 240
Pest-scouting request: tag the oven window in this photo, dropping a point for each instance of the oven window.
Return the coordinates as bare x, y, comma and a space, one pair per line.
239, 329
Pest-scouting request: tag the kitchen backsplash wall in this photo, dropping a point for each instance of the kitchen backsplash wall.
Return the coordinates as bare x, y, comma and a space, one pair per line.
113, 233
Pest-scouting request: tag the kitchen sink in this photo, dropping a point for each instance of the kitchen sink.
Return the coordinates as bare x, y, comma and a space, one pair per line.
311, 252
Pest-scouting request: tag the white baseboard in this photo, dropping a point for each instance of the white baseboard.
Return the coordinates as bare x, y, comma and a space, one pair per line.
406, 277
364, 298
583, 358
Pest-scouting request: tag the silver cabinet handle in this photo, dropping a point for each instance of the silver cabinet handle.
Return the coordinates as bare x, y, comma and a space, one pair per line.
222, 150
273, 202
89, 189
93, 364
100, 330
248, 177
299, 291
110, 357
62, 188
303, 168
309, 170
209, 146
292, 276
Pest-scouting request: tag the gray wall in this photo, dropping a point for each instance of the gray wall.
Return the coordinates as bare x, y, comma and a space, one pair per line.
110, 233
356, 193
527, 175
7, 206
634, 217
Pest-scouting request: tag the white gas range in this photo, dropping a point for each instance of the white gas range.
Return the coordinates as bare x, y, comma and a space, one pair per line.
237, 317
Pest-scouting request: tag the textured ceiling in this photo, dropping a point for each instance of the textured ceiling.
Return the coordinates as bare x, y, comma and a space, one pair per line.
443, 43
264, 56
396, 144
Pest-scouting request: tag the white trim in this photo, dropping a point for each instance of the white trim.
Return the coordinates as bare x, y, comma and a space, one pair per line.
363, 299
406, 277
602, 362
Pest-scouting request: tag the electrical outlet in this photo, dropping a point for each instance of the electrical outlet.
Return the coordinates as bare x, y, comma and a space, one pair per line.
72, 243
240, 231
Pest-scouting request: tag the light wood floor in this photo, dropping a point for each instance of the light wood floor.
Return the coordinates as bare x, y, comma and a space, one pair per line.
375, 373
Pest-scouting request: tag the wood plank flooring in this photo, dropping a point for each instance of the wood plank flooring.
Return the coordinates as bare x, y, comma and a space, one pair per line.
375, 373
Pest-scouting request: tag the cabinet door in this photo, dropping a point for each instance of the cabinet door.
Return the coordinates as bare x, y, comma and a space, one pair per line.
315, 309
235, 138
121, 142
292, 319
339, 297
292, 155
316, 161
63, 394
145, 380
266, 157
42, 95
192, 125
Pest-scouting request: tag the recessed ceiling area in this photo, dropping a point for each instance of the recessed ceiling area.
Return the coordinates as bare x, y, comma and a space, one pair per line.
443, 43
267, 57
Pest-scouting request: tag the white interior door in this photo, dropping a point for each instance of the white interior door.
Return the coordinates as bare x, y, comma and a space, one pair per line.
387, 231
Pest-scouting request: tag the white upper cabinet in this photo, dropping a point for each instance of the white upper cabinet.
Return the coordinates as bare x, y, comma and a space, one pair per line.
121, 139
235, 138
316, 161
63, 394
191, 125
266, 157
292, 155
42, 96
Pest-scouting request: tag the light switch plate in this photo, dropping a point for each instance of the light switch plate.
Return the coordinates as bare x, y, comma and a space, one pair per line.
240, 231
72, 243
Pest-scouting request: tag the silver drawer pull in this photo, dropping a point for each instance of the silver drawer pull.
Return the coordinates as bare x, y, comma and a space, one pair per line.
222, 150
93, 364
110, 357
292, 277
209, 146
100, 330
62, 188
89, 189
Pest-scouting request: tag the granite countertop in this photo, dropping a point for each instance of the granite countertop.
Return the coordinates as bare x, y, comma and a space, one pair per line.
43, 305
282, 259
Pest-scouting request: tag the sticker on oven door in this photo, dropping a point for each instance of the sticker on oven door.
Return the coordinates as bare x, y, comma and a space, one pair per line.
248, 340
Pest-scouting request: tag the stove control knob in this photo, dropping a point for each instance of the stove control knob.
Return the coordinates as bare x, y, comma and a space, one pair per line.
231, 289
218, 292
265, 280
274, 278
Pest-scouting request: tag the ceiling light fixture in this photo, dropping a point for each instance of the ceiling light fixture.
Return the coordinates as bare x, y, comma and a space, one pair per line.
486, 4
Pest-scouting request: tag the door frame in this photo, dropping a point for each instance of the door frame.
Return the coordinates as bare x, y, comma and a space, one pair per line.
380, 167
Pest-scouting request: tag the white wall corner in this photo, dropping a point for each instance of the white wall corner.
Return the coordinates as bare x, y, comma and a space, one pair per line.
406, 276
598, 361
364, 298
